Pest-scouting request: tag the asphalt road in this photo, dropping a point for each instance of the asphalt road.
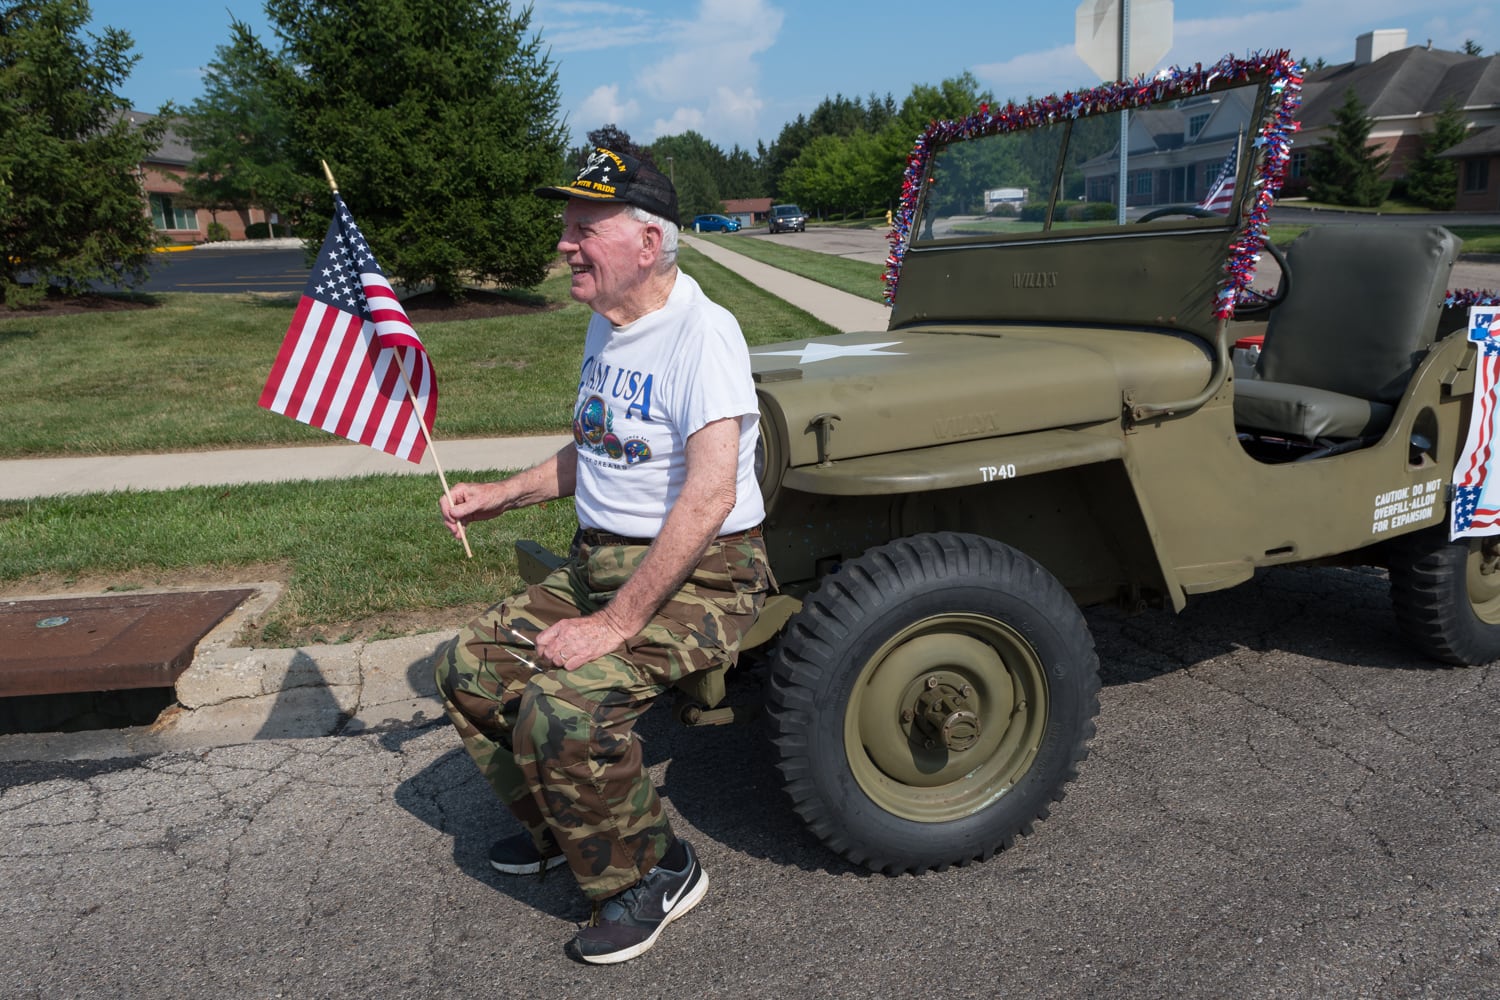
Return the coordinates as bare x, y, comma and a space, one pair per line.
207, 269
1281, 802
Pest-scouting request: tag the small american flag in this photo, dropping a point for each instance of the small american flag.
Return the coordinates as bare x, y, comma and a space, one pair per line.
340, 366
1221, 192
1476, 494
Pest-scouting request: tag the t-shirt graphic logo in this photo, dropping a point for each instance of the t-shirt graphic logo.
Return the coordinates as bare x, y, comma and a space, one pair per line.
593, 430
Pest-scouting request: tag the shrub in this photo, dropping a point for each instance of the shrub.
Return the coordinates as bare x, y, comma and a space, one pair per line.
258, 231
217, 232
1091, 211
1034, 211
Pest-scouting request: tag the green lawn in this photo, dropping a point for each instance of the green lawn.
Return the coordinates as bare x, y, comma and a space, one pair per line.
185, 375
361, 557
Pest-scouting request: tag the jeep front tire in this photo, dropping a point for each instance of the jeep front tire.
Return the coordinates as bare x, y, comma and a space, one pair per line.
931, 700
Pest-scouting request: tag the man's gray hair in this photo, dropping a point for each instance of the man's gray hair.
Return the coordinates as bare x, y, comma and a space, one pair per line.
668, 233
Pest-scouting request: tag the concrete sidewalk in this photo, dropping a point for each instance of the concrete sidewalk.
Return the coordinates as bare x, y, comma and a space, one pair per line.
840, 310
25, 478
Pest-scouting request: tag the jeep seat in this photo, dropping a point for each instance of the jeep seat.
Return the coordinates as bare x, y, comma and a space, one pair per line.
1362, 309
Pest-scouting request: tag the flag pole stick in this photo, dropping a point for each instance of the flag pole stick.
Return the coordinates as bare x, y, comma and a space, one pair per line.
411, 394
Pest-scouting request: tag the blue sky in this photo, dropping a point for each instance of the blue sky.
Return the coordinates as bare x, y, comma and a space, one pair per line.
737, 70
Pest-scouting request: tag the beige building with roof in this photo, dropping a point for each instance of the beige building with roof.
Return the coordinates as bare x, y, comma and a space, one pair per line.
1402, 89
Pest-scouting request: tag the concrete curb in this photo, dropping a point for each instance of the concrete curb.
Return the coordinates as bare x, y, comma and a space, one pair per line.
234, 694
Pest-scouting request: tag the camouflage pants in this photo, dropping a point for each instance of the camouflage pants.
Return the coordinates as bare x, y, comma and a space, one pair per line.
559, 747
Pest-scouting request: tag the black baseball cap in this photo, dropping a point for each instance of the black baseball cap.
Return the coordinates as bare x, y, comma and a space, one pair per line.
619, 177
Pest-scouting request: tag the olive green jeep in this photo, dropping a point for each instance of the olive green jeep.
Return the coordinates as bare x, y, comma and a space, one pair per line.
1052, 420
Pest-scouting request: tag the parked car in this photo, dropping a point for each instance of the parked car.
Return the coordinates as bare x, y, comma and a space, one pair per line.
787, 219
716, 224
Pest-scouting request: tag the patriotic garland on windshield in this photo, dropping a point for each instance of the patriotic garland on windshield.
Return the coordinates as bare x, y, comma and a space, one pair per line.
1274, 139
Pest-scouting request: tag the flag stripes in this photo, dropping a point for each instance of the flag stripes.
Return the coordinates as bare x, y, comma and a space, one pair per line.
340, 366
1220, 196
1476, 492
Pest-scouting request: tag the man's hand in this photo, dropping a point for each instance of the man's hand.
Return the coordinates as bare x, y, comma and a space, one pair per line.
573, 642
467, 502
548, 480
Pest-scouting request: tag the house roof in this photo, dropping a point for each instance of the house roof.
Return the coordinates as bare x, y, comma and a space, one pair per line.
738, 205
1483, 142
1407, 83
174, 149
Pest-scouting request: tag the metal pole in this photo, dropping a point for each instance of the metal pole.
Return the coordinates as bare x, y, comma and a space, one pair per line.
1124, 114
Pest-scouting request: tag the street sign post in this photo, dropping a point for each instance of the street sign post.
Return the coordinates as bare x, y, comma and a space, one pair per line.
1120, 39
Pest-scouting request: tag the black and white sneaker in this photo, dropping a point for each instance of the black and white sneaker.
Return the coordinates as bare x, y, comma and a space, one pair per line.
517, 855
627, 924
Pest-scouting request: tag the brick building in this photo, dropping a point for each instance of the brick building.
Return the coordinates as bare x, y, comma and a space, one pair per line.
175, 217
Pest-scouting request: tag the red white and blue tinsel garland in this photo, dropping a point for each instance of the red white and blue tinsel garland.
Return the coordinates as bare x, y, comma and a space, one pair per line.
1274, 138
1463, 298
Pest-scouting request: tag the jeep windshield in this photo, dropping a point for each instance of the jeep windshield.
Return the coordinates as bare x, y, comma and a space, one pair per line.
1016, 213
1062, 177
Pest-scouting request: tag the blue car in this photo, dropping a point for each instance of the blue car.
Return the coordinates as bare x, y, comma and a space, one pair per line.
716, 224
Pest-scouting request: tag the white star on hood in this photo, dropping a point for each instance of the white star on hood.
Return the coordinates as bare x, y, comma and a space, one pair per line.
816, 351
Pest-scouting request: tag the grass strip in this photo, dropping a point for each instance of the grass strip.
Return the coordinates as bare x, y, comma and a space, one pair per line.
360, 558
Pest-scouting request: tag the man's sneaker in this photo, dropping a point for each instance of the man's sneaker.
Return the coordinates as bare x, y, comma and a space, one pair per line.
627, 924
518, 855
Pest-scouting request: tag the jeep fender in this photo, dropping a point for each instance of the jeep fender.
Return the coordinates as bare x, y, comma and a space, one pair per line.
1104, 543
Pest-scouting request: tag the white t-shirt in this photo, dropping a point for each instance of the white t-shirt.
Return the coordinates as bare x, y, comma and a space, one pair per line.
643, 390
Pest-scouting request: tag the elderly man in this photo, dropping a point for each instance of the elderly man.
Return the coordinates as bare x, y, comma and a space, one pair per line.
666, 573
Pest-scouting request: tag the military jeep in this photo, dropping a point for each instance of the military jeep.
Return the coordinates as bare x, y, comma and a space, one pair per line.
1052, 420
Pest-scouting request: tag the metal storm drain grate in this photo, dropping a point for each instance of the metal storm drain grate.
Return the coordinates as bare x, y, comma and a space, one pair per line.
112, 643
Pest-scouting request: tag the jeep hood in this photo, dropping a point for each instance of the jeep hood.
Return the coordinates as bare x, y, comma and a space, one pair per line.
917, 387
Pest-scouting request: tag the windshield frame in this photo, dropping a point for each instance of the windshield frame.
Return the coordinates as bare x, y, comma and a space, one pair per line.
1259, 172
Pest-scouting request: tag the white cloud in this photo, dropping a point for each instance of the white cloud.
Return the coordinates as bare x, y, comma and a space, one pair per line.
604, 107
699, 72
681, 120
720, 44
733, 114
591, 27
1034, 74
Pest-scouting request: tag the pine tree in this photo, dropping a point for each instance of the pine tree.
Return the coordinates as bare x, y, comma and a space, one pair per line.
1432, 181
438, 120
71, 209
1345, 170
